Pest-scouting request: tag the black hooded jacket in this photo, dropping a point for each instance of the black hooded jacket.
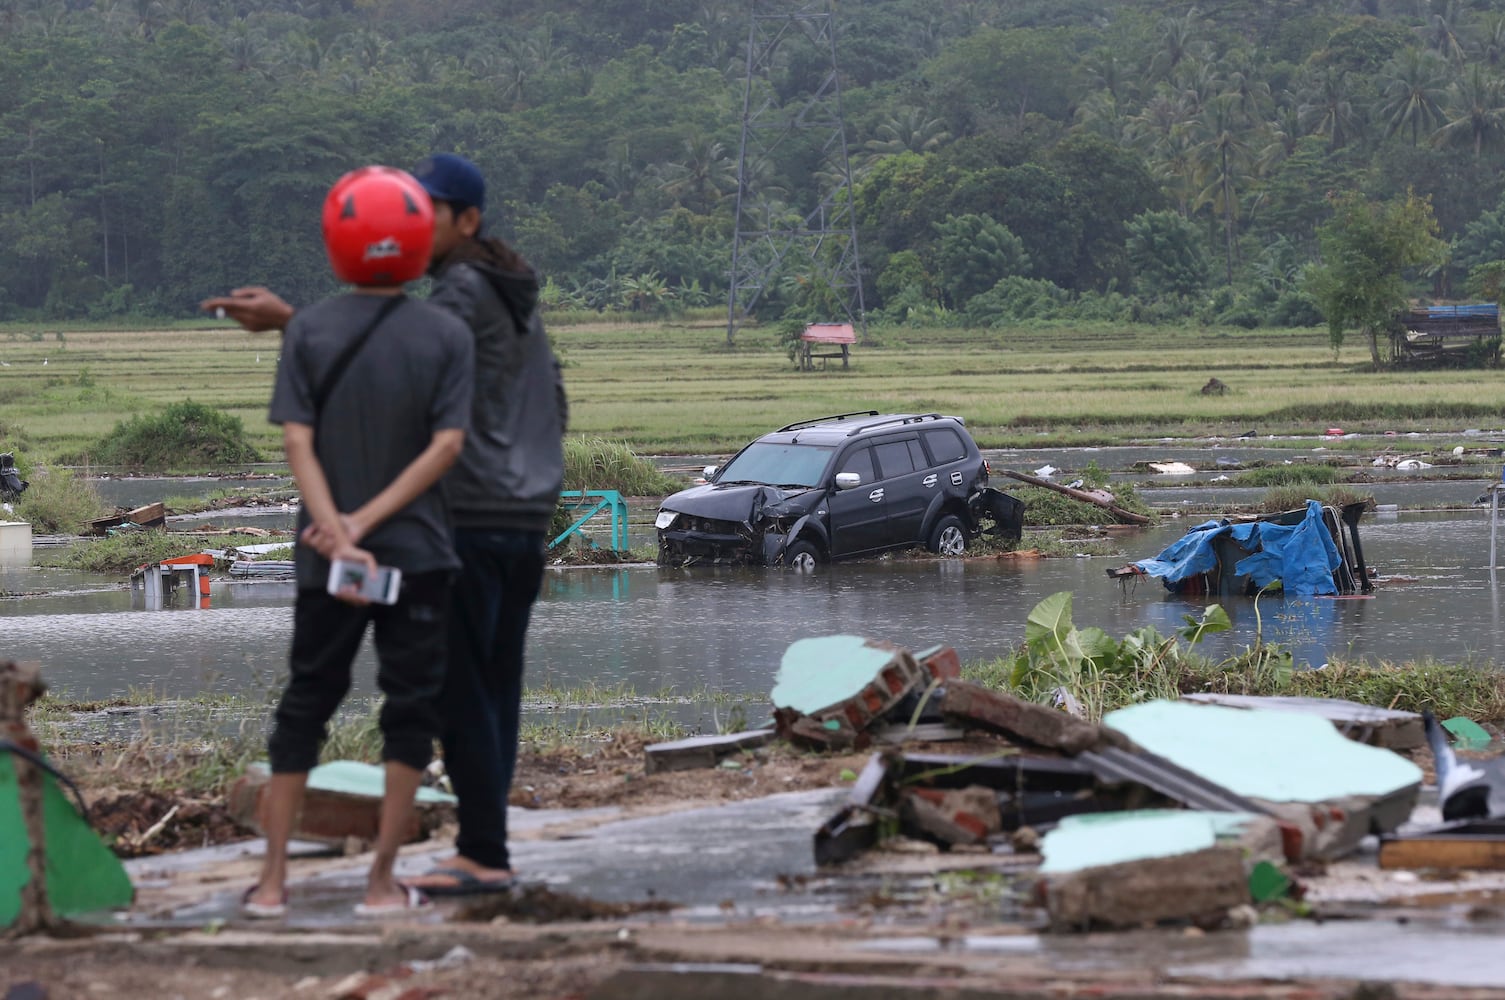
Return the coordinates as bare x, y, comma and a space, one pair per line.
512, 467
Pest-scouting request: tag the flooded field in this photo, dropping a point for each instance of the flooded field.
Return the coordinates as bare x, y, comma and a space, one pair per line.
686, 630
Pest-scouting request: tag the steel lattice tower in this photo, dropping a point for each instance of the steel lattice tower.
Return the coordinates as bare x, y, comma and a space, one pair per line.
821, 247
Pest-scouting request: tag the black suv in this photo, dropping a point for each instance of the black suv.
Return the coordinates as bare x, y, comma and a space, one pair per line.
852, 484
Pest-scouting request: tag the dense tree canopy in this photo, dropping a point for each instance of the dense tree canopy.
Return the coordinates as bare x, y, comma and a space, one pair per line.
1154, 157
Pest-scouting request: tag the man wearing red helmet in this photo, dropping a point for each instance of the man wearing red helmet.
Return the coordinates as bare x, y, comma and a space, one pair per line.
373, 393
503, 492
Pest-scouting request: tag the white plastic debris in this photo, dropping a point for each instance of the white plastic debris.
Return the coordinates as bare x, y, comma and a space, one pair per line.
1046, 471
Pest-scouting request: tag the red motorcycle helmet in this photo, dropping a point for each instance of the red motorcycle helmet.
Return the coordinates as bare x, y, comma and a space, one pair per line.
378, 227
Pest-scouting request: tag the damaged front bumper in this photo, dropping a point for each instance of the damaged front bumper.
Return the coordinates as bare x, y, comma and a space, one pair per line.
691, 541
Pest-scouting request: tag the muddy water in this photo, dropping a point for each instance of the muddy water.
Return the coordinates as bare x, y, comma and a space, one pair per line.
726, 629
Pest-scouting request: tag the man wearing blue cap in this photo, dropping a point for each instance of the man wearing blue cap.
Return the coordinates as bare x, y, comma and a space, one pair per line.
502, 494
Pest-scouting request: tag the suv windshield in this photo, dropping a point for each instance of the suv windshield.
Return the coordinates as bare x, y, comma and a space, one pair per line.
778, 464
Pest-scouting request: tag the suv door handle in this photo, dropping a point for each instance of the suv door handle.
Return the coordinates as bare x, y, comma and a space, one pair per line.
931, 480
876, 495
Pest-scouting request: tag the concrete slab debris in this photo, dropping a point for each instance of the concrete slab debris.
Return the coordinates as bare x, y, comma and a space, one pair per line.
1379, 727
701, 751
1200, 886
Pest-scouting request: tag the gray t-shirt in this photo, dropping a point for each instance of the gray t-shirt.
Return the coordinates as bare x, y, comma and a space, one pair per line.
413, 376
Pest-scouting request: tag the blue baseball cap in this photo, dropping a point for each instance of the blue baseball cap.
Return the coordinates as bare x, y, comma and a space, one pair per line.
452, 178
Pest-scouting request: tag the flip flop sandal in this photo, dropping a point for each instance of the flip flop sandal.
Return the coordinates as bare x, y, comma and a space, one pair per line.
467, 883
262, 911
413, 902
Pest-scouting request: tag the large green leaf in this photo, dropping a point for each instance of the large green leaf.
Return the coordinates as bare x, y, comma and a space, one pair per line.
1214, 619
1098, 646
1050, 622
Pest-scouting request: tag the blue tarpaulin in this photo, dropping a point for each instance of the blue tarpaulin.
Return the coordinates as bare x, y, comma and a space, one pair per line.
1301, 556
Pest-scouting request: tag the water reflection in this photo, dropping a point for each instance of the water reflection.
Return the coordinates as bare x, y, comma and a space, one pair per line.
726, 629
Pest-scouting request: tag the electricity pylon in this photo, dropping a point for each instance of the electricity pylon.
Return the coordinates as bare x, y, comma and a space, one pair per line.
770, 242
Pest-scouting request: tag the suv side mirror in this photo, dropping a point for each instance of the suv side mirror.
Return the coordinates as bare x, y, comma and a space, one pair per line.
708, 471
848, 480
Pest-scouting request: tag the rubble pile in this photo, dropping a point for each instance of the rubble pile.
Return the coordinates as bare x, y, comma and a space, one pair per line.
1192, 810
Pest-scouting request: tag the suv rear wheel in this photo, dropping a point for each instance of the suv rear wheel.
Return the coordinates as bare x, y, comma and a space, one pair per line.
802, 557
949, 537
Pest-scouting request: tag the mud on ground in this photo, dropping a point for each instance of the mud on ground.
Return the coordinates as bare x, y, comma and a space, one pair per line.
144, 799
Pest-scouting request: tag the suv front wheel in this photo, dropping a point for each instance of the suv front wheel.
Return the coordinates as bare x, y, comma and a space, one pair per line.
949, 537
802, 557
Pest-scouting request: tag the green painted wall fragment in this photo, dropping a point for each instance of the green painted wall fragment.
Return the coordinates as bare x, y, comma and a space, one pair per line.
83, 876
1467, 734
351, 777
1092, 840
1259, 754
815, 674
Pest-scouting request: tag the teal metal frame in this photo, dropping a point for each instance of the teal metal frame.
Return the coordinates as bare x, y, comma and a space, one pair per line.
601, 500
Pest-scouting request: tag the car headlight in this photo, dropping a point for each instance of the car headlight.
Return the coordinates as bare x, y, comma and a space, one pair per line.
664, 519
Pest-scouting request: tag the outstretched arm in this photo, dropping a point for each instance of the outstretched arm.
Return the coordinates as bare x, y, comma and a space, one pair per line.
256, 308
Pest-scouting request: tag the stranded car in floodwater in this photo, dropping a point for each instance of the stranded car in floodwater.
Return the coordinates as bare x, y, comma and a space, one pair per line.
853, 484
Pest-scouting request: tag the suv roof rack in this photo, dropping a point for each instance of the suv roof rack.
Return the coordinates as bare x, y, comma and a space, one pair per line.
823, 420
910, 419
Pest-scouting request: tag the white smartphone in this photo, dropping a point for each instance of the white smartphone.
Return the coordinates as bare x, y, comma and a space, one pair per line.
380, 587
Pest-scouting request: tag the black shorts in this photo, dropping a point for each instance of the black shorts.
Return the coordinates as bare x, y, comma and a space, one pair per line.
410, 654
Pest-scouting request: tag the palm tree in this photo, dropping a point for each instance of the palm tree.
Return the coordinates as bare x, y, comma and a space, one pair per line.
1200, 80
1107, 71
1413, 88
703, 178
1282, 132
1475, 111
1222, 157
1326, 109
1180, 38
1246, 83
1443, 29
1163, 131
1489, 40
909, 131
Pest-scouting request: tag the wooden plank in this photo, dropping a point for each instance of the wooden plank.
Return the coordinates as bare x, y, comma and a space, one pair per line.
1452, 852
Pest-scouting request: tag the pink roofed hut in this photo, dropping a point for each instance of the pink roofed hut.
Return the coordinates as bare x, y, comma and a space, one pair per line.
839, 336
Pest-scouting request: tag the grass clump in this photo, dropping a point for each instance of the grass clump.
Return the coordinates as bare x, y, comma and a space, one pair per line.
593, 463
1289, 475
123, 552
185, 436
1283, 498
58, 502
1043, 507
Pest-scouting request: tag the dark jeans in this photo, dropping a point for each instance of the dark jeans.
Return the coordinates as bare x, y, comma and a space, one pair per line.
410, 640
483, 686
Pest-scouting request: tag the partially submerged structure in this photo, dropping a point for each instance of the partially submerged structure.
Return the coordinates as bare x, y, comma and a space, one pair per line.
1459, 335
1303, 552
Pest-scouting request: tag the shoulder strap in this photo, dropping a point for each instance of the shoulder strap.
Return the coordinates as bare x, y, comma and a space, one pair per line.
337, 370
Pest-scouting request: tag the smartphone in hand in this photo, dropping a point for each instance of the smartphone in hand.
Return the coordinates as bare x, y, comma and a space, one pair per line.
380, 587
